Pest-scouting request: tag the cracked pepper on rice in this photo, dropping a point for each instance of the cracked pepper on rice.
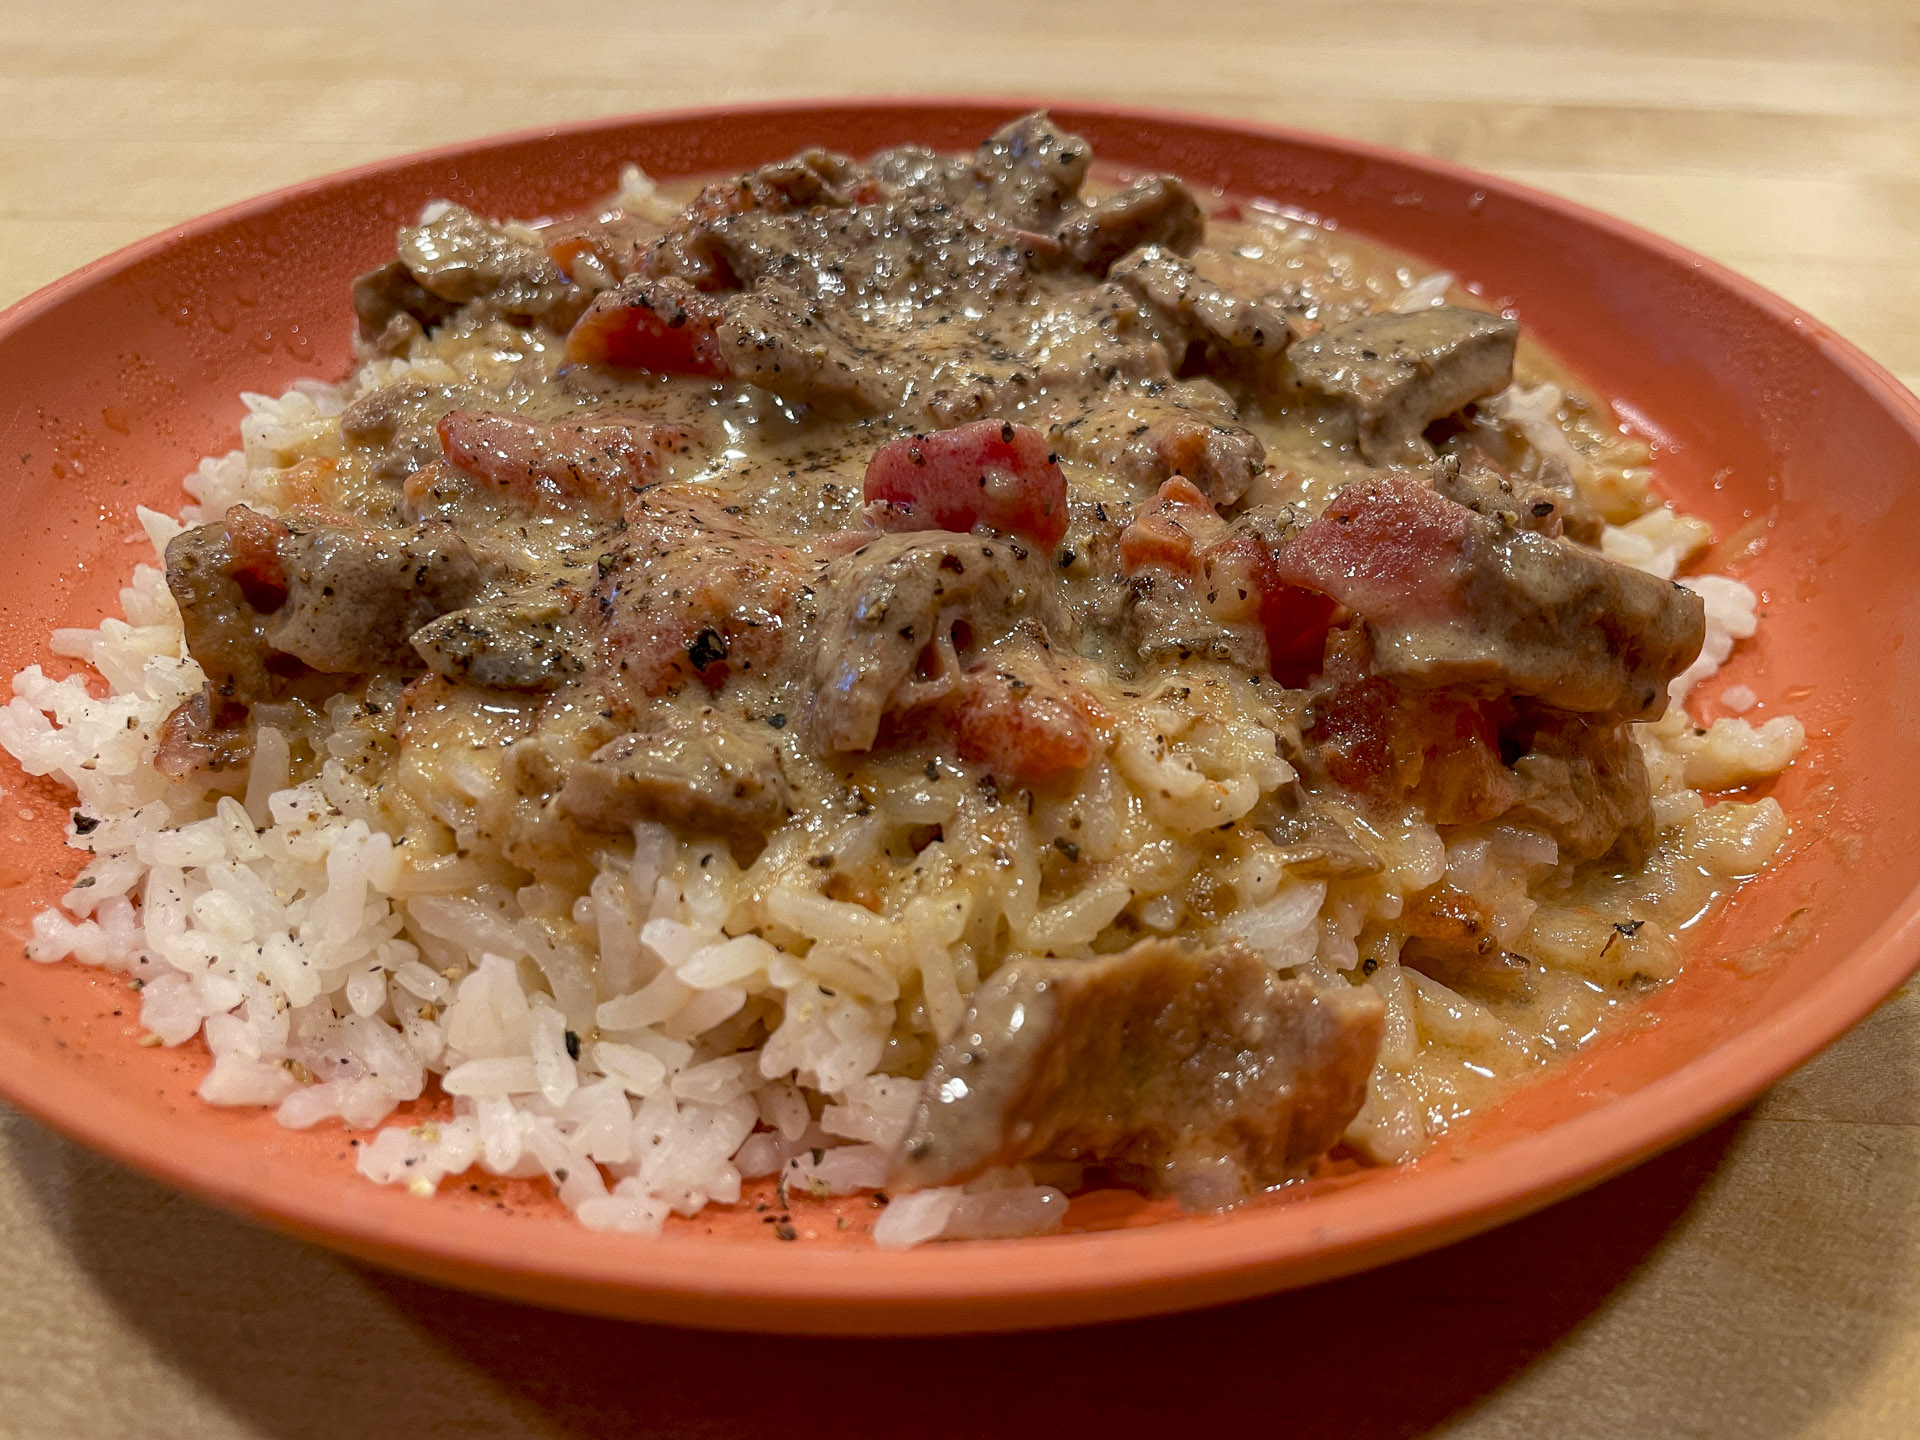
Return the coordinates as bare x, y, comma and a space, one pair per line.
938, 674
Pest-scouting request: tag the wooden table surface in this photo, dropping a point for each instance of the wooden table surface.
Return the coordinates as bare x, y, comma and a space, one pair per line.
1762, 1281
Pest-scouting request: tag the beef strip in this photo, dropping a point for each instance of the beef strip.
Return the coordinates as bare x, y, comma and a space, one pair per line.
896, 613
461, 258
356, 595
802, 349
1452, 597
1234, 329
1197, 1069
1400, 373
704, 770
227, 577
1031, 171
1583, 783
1547, 503
1155, 210
508, 646
1186, 429
1580, 779
394, 309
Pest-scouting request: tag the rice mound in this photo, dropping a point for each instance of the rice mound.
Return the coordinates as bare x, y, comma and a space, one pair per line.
333, 980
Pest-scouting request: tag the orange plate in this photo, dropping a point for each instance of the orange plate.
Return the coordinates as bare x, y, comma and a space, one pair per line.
117, 378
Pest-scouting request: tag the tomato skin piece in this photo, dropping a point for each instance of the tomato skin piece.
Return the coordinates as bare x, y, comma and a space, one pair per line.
663, 325
991, 472
1296, 622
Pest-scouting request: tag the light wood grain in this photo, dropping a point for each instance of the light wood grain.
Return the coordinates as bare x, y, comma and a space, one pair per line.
1763, 1281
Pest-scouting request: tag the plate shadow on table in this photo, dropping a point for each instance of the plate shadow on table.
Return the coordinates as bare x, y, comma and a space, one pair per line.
294, 1342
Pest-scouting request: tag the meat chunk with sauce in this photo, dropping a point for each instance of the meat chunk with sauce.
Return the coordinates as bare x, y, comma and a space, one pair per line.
703, 770
1400, 373
1196, 1069
1031, 171
255, 593
357, 594
507, 646
1234, 329
1154, 210
896, 614
1189, 429
227, 578
1452, 597
394, 309
1467, 756
461, 258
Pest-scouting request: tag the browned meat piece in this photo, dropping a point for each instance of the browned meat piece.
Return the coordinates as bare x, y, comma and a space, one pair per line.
1579, 779
1195, 1068
461, 258
787, 344
1184, 429
1231, 330
916, 168
1030, 171
896, 613
501, 647
255, 594
692, 591
814, 177
377, 417
694, 250
1201, 585
1155, 210
600, 463
355, 595
1584, 784
705, 771
1471, 479
1400, 373
226, 578
192, 742
393, 308
1451, 597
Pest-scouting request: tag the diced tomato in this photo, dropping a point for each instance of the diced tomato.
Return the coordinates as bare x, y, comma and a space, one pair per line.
992, 473
1296, 620
1387, 548
659, 324
1023, 722
1162, 532
569, 462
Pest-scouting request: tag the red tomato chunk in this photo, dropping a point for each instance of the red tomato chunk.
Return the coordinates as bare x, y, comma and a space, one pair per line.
990, 473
